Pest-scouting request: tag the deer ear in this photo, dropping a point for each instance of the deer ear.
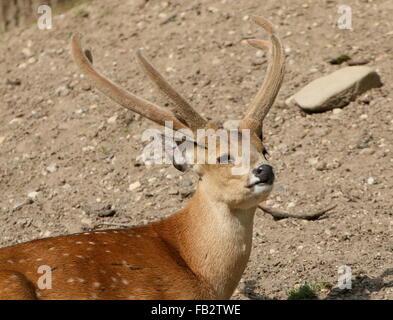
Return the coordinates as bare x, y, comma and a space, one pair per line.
179, 151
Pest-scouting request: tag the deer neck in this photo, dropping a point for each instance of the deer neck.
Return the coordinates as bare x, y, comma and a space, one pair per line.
214, 240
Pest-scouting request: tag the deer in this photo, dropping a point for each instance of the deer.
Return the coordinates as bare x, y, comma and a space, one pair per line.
198, 252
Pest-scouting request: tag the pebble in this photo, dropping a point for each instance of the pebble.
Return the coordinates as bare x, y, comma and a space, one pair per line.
62, 91
337, 110
2, 139
27, 52
33, 195
371, 180
186, 183
87, 221
112, 120
173, 191
134, 186
367, 151
16, 121
52, 168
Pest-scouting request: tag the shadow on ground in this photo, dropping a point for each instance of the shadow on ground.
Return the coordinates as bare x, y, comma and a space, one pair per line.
362, 288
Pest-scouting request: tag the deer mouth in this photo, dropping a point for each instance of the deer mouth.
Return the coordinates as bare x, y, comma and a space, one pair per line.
266, 181
259, 183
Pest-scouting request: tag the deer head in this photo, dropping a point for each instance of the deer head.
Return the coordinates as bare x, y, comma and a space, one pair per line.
252, 182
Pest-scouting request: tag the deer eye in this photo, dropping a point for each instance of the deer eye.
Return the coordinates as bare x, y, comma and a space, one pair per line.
265, 154
225, 159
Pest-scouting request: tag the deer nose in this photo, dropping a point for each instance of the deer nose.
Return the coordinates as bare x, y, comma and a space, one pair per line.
264, 173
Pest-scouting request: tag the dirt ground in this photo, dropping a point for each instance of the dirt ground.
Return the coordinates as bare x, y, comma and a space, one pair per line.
73, 152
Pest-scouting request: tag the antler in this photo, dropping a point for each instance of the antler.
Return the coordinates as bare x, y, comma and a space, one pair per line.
121, 96
185, 110
266, 95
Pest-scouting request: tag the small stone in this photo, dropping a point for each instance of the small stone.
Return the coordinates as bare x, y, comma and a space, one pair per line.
186, 183
67, 187
260, 54
32, 60
102, 210
46, 234
112, 120
134, 186
371, 180
212, 9
27, 52
13, 82
367, 151
33, 195
321, 166
337, 110
2, 139
173, 192
62, 91
291, 205
86, 87
52, 168
313, 161
16, 121
87, 221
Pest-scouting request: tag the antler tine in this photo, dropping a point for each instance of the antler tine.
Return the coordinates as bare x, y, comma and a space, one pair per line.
121, 96
266, 95
193, 119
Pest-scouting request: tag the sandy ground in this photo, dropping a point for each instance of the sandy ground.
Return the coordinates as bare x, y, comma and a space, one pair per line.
57, 145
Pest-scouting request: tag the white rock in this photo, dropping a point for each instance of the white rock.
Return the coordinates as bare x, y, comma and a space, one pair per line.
16, 121
260, 54
112, 120
313, 161
371, 180
33, 195
134, 186
335, 90
337, 110
52, 168
27, 52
